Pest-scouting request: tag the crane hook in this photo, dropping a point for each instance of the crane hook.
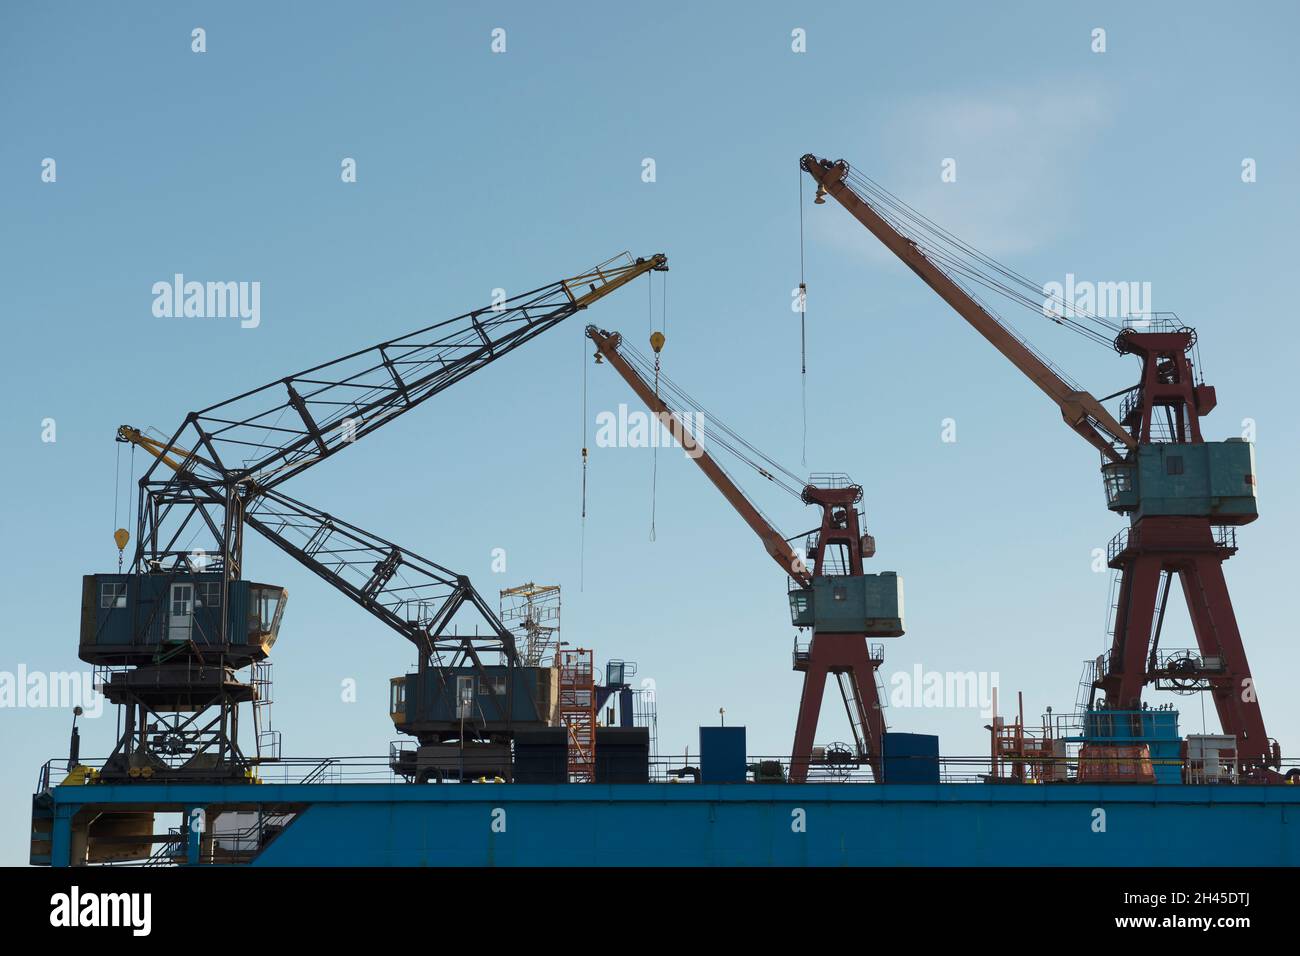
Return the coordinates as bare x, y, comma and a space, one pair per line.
120, 537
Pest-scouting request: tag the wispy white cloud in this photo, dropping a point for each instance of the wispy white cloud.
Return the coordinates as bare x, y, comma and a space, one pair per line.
1016, 151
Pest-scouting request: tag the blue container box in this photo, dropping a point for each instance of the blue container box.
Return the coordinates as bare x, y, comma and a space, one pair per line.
722, 755
910, 758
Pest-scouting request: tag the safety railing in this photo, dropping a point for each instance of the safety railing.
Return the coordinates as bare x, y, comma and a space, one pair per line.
1224, 538
801, 651
1161, 430
1152, 322
802, 647
830, 479
673, 768
1118, 544
169, 851
56, 766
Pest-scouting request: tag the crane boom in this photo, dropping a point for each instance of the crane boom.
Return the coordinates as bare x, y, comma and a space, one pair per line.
1081, 411
219, 473
247, 445
414, 596
271, 433
607, 347
411, 594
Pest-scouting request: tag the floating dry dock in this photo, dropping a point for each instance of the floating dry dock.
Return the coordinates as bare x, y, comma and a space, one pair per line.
662, 824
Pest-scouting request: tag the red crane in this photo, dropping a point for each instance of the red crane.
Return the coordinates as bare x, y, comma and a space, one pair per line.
1183, 496
841, 604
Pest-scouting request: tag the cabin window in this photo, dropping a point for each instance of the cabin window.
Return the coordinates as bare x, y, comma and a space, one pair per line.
492, 685
209, 593
112, 595
264, 609
840, 593
1117, 476
464, 697
1174, 465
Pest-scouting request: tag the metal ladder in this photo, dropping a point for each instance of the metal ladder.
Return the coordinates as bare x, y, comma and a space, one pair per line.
268, 740
854, 706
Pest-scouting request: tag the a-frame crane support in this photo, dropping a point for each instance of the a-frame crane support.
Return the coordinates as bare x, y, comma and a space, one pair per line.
1181, 496
848, 656
1190, 546
837, 649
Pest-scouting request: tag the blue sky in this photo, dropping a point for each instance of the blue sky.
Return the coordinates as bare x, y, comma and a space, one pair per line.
479, 170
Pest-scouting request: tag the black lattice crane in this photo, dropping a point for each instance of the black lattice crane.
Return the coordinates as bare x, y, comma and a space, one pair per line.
189, 618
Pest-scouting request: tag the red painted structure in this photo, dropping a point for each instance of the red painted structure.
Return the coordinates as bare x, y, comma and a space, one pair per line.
847, 656
1191, 542
1157, 547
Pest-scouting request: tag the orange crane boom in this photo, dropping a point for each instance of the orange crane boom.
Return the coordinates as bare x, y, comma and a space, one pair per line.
1159, 477
851, 606
607, 347
1081, 411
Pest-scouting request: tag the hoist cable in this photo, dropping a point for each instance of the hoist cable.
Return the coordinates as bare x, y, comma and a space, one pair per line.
719, 434
654, 451
117, 483
731, 441
130, 501
117, 496
663, 304
976, 265
922, 223
582, 525
956, 266
803, 335
952, 248
686, 400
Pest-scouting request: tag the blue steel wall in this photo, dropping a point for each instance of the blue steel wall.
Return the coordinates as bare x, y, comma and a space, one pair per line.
144, 620
752, 825
435, 698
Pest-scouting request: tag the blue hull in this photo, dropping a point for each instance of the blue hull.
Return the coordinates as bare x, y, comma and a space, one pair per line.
748, 824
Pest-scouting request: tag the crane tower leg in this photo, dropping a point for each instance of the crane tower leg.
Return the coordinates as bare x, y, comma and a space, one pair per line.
838, 654
1189, 548
810, 708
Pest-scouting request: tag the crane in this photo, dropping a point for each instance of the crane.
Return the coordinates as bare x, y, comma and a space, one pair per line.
841, 604
178, 619
1184, 496
374, 572
256, 441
